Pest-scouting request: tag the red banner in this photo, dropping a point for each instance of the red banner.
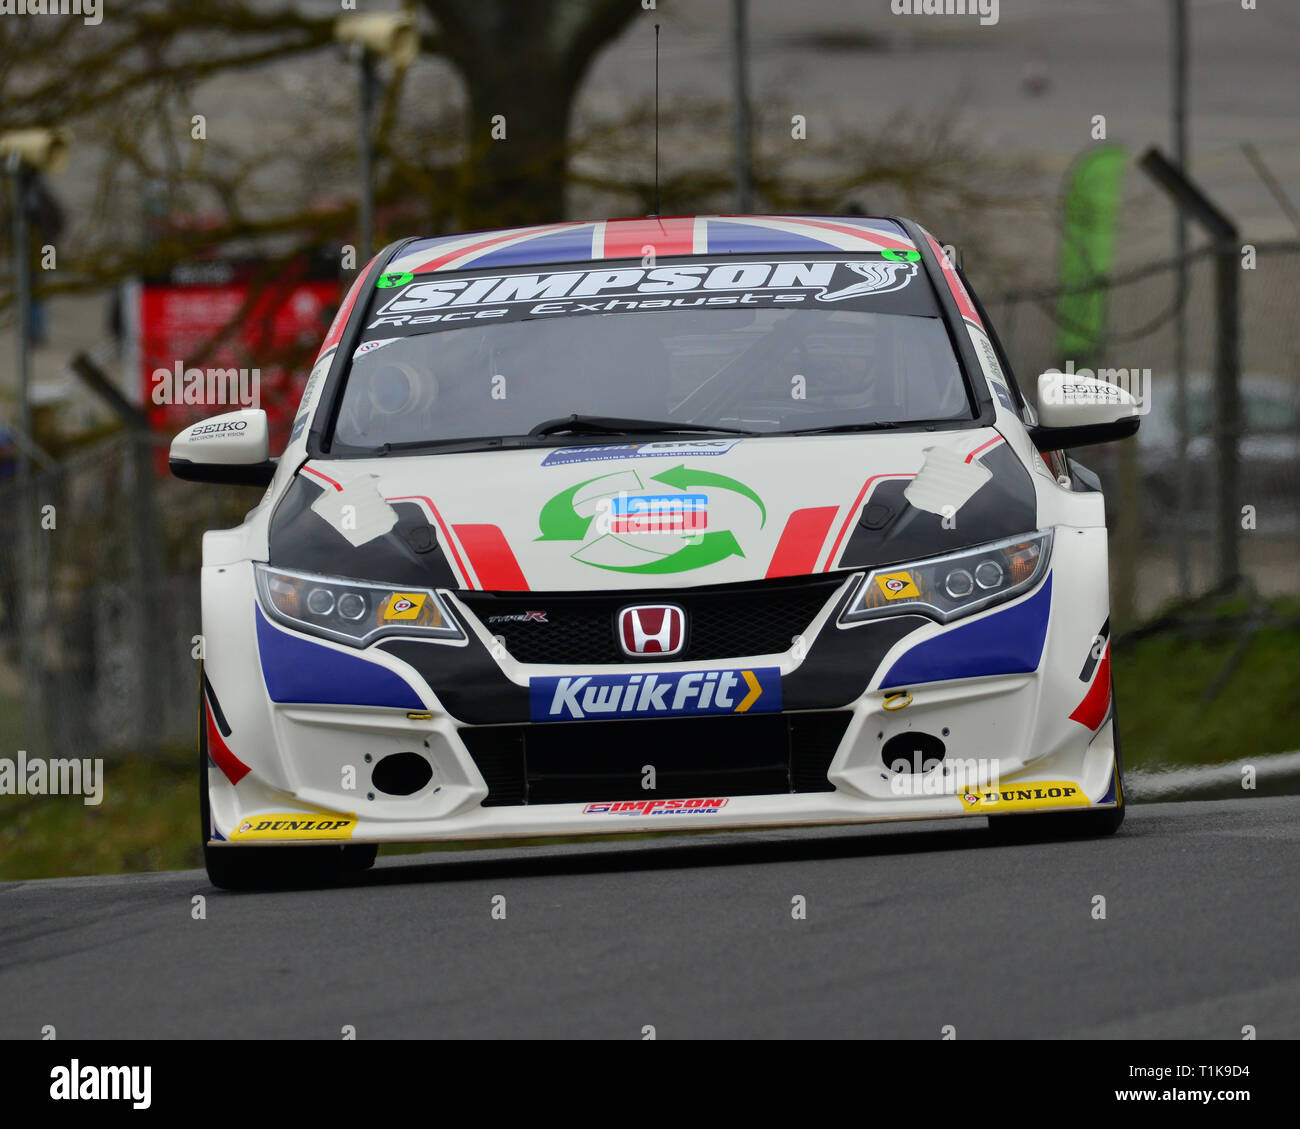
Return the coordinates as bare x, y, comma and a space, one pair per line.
219, 336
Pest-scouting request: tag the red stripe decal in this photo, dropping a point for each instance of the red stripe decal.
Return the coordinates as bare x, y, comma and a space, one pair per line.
323, 477
854, 509
801, 541
625, 239
959, 294
1091, 712
446, 532
335, 334
490, 554
476, 248
219, 751
984, 447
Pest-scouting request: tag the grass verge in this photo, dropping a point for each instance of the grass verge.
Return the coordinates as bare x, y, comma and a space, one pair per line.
1197, 694
148, 820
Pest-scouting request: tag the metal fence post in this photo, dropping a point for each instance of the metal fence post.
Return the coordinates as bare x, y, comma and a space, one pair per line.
29, 611
1227, 412
151, 615
1227, 363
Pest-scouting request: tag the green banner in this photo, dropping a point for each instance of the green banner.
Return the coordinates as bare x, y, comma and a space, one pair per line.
1087, 250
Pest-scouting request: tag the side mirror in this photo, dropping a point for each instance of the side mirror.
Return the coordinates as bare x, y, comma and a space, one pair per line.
1077, 411
233, 448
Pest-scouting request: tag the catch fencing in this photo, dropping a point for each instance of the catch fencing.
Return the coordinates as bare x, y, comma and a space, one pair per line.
1162, 549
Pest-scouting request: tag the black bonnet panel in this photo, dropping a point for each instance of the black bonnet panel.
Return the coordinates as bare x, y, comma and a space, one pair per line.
890, 530
409, 553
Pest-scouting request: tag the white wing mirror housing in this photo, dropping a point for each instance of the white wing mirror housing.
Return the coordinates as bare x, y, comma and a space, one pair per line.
1076, 411
233, 448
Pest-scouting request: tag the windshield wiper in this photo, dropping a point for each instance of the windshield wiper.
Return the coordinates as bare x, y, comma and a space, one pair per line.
878, 425
452, 443
616, 425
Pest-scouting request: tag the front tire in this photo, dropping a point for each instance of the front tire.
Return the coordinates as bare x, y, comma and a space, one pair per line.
270, 868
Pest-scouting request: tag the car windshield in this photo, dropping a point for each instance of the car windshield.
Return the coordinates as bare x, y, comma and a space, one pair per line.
780, 363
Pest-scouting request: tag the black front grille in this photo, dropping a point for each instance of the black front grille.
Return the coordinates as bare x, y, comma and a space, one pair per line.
587, 762
723, 622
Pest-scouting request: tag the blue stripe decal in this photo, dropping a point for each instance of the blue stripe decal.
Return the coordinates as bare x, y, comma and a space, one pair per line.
1006, 642
298, 670
742, 238
1109, 797
567, 245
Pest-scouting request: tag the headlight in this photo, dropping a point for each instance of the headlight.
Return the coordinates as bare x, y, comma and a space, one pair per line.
947, 588
352, 611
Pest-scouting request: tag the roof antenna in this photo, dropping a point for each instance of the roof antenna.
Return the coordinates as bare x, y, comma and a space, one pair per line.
656, 209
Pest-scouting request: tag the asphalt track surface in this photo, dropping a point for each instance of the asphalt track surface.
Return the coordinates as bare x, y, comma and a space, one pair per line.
909, 928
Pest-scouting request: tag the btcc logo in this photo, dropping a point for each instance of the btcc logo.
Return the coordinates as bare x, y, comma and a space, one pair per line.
680, 694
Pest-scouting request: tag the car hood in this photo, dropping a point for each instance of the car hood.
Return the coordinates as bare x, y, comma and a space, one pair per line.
652, 515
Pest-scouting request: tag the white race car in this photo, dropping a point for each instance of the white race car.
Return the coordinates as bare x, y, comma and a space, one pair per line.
655, 524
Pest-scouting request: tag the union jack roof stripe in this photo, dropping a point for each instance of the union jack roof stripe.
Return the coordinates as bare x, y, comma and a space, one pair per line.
664, 236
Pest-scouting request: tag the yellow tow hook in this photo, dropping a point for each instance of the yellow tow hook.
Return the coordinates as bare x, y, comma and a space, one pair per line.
898, 700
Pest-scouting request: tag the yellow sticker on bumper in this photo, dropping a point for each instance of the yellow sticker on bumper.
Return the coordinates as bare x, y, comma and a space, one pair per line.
296, 825
1025, 797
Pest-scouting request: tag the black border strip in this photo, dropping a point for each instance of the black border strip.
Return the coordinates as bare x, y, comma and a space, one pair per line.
976, 385
1090, 663
217, 715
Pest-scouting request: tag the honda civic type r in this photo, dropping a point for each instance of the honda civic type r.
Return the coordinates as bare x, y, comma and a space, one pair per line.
655, 524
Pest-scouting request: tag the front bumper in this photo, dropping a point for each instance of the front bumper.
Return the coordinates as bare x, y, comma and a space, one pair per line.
991, 739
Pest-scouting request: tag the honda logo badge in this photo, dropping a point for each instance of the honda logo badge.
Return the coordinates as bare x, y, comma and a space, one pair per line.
652, 629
